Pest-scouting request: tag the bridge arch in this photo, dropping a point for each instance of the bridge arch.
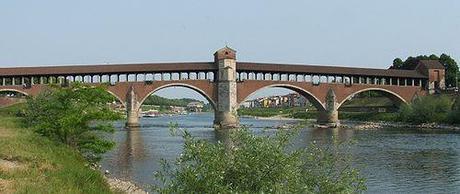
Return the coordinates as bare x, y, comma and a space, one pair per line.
305, 93
390, 94
15, 90
185, 85
117, 97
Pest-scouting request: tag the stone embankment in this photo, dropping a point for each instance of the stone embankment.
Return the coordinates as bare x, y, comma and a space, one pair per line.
366, 125
117, 184
124, 186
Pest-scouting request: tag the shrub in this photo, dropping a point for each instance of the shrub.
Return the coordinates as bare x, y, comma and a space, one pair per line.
75, 116
427, 109
246, 163
369, 116
454, 115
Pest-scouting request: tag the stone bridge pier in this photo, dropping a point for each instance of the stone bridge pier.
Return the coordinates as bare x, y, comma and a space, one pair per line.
330, 115
132, 109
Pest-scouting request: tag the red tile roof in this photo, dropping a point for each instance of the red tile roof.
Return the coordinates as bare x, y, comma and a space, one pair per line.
206, 66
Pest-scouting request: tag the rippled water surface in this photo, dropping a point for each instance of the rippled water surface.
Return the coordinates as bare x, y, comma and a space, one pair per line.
392, 160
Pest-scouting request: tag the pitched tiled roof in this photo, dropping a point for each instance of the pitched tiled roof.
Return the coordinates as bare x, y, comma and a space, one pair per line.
432, 64
208, 66
331, 70
108, 69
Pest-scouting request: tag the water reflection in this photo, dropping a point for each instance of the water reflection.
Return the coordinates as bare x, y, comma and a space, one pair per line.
130, 150
392, 160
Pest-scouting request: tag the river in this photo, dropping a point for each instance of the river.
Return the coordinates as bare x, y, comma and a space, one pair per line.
392, 160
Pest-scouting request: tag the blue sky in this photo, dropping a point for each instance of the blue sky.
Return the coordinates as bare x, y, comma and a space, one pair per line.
359, 33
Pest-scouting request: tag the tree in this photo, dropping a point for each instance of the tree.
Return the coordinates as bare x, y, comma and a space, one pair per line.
449, 63
74, 116
246, 163
451, 70
397, 63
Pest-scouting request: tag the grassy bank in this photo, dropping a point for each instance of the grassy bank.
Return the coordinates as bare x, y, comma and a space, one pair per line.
33, 164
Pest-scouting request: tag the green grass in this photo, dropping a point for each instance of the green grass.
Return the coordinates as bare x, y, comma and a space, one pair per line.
47, 167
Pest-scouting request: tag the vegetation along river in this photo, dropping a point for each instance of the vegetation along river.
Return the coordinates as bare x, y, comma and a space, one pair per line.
392, 160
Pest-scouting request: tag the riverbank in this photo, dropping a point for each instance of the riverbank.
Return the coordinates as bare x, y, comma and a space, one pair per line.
370, 125
355, 120
123, 186
33, 164
276, 117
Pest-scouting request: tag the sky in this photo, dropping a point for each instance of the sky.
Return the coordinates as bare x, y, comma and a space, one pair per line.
356, 33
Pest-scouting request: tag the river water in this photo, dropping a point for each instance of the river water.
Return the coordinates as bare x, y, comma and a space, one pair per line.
392, 160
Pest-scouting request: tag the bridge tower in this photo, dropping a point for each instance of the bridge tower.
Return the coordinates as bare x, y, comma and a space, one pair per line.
226, 116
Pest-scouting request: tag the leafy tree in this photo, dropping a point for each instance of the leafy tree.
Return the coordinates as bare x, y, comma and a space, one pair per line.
449, 63
75, 116
246, 163
397, 63
451, 69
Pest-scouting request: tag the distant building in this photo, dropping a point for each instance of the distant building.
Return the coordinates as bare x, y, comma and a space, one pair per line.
195, 107
177, 109
247, 104
289, 100
436, 75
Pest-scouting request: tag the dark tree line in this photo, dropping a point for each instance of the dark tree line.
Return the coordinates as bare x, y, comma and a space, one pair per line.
158, 100
165, 102
449, 63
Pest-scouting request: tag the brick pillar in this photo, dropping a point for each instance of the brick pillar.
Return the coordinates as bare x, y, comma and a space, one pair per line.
132, 108
226, 116
329, 116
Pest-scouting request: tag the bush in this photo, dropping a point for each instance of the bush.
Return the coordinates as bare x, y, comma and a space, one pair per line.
454, 116
305, 115
75, 116
246, 163
426, 109
369, 116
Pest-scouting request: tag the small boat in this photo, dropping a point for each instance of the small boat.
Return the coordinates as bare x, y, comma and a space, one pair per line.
150, 114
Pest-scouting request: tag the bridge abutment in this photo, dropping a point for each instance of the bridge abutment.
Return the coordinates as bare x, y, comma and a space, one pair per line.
226, 116
329, 116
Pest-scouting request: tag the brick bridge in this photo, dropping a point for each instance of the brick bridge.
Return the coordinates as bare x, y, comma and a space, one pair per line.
227, 83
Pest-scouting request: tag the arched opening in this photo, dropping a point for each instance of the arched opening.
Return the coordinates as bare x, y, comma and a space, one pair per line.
175, 100
281, 100
370, 104
117, 103
153, 139
10, 97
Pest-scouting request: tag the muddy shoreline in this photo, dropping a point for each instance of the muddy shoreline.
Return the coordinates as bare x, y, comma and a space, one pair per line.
124, 186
